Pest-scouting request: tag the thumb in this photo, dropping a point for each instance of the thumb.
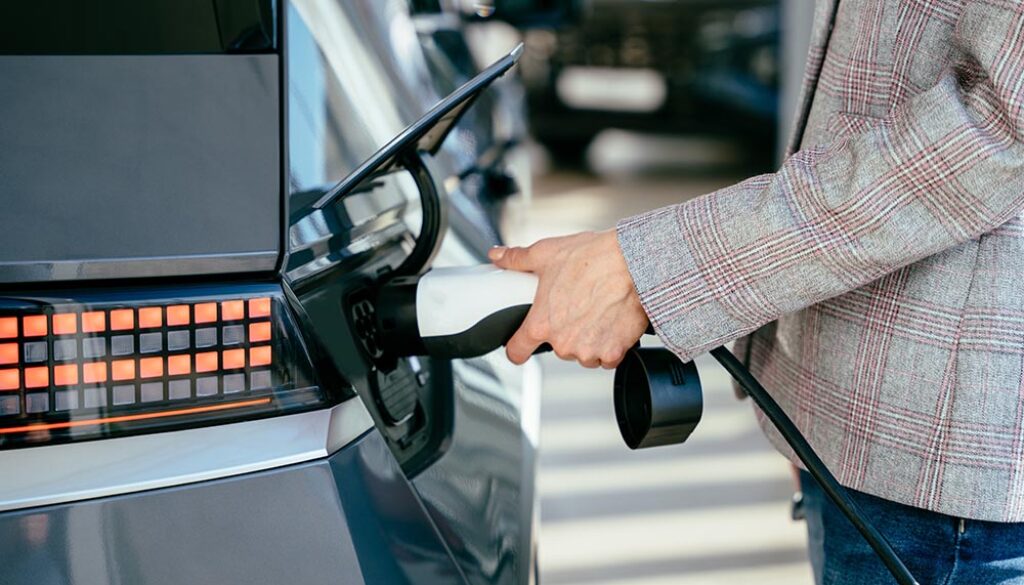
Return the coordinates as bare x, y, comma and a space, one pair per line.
514, 258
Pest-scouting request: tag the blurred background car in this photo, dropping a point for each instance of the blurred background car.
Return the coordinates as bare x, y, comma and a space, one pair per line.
695, 67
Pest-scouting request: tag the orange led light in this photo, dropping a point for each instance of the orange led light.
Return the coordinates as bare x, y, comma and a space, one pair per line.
206, 361
259, 356
234, 359
259, 307
150, 317
65, 375
259, 332
206, 312
152, 367
232, 310
8, 327
178, 315
37, 377
8, 353
33, 326
8, 379
179, 364
130, 417
94, 321
65, 324
94, 372
122, 369
122, 319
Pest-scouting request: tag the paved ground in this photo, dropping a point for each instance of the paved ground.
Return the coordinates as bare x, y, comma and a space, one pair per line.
711, 511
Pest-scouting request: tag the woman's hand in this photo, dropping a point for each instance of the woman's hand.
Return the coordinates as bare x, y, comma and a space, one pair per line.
586, 307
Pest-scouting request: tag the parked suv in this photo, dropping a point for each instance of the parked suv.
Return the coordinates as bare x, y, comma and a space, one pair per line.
189, 386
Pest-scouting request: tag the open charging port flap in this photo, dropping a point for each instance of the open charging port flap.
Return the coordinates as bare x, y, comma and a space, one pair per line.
338, 304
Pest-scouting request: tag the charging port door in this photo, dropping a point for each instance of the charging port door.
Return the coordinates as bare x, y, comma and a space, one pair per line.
383, 217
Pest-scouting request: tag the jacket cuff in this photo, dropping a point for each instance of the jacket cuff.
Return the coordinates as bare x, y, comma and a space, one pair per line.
672, 285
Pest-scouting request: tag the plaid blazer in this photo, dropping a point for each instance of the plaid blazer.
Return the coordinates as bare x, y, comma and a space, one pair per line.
880, 269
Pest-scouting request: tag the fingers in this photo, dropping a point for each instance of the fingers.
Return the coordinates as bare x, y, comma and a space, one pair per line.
608, 361
531, 334
496, 252
536, 330
526, 341
611, 363
513, 258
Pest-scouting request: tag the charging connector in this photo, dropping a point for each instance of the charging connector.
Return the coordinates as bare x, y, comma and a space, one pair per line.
453, 312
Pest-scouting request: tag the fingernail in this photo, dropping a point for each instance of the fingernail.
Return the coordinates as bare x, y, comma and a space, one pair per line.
497, 252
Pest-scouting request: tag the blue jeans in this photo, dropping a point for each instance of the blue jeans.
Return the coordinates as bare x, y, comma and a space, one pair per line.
937, 549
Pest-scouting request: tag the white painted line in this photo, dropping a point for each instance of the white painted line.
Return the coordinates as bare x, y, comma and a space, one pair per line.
637, 538
783, 574
685, 472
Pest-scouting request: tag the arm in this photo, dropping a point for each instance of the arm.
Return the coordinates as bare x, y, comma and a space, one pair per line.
945, 167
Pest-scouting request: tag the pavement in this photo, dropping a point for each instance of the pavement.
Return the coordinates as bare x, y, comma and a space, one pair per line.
712, 511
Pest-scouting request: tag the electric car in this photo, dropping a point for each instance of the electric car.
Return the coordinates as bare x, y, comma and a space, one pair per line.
193, 383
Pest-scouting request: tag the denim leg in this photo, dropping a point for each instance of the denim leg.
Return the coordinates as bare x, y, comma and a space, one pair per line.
926, 541
990, 553
815, 529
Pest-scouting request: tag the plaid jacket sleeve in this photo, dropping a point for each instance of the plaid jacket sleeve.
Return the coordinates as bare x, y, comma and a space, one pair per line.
946, 166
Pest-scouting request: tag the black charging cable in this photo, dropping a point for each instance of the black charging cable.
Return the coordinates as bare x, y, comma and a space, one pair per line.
815, 466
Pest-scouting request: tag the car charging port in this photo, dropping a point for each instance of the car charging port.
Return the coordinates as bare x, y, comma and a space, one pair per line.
364, 324
396, 317
383, 318
410, 396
